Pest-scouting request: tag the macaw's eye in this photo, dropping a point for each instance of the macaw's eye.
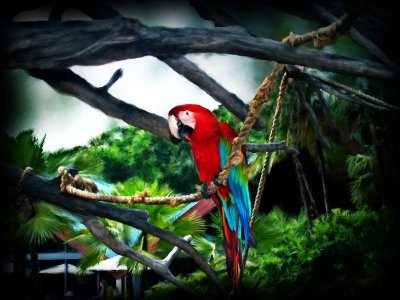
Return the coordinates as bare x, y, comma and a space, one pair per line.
187, 113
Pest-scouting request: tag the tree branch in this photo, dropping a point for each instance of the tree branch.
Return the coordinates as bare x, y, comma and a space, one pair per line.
295, 72
186, 68
48, 190
66, 81
114, 78
63, 44
326, 12
174, 252
160, 267
193, 73
356, 36
269, 147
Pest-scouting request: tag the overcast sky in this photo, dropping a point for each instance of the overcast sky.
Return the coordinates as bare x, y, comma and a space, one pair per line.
146, 82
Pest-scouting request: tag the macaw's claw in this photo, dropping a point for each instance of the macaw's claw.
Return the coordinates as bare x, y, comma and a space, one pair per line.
215, 181
204, 190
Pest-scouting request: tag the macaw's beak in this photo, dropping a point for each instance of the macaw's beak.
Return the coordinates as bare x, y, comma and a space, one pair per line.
178, 129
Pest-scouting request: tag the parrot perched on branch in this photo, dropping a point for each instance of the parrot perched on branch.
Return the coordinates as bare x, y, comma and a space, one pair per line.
211, 143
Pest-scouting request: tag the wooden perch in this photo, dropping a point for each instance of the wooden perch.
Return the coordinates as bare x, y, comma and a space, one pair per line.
161, 267
58, 45
48, 190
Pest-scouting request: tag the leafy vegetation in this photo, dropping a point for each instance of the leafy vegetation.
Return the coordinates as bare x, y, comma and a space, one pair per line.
346, 254
129, 152
48, 220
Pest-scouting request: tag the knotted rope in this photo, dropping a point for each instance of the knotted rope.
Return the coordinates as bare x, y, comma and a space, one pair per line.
324, 36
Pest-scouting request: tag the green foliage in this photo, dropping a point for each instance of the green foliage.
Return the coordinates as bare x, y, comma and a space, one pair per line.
365, 186
24, 150
196, 280
80, 157
48, 220
128, 152
163, 215
333, 259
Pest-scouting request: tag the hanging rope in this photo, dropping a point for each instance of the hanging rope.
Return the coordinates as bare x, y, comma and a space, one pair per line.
324, 36
69, 183
271, 139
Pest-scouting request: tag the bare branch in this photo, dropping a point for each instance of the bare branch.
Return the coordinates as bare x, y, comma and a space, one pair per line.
192, 72
358, 93
102, 234
66, 81
356, 36
63, 44
114, 78
174, 252
48, 190
341, 94
269, 147
186, 68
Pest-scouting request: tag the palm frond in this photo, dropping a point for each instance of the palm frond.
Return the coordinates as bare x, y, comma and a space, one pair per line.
45, 224
95, 254
205, 247
266, 232
24, 150
88, 165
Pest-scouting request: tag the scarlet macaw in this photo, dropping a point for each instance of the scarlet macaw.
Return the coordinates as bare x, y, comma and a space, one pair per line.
211, 143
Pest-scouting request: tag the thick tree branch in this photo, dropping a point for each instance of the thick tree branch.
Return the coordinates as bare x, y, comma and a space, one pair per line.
160, 267
192, 72
68, 82
63, 44
48, 190
186, 68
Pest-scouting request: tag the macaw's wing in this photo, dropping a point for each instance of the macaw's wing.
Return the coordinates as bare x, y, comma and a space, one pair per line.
235, 200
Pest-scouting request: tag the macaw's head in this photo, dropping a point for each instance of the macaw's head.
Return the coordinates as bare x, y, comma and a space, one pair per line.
188, 120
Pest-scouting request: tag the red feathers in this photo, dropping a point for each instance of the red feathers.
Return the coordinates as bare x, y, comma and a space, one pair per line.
211, 145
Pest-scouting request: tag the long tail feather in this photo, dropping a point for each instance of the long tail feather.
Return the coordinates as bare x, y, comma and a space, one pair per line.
233, 253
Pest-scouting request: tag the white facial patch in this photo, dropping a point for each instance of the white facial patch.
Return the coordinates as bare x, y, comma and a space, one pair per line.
187, 118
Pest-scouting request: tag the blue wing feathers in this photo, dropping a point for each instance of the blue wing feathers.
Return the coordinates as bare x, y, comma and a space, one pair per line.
238, 209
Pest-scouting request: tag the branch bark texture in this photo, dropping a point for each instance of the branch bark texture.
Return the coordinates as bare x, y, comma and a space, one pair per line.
40, 188
58, 45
